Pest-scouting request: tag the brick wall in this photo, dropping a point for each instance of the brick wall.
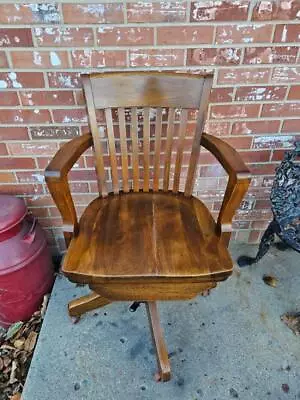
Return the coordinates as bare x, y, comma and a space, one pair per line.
252, 46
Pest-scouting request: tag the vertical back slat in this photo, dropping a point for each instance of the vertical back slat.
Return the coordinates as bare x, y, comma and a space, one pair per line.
96, 137
124, 155
146, 148
168, 152
207, 84
182, 132
158, 122
112, 150
135, 148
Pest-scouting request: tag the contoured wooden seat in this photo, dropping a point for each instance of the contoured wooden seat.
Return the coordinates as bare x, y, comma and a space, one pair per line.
146, 238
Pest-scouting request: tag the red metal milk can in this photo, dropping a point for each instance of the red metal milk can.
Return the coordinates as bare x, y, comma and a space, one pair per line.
26, 271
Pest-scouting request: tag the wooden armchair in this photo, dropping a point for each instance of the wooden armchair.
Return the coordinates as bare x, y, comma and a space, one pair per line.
145, 238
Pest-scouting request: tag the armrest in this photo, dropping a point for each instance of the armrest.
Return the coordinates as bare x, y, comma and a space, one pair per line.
239, 180
56, 175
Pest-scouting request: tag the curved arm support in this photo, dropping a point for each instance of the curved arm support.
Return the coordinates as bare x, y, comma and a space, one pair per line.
56, 175
237, 186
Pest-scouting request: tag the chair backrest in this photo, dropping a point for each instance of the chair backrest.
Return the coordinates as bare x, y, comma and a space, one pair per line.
141, 129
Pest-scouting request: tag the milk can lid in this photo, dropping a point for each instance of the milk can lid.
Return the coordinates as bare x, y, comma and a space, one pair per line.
12, 211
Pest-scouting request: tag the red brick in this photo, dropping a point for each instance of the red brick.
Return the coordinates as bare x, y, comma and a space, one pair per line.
98, 59
294, 93
84, 175
45, 98
42, 162
156, 58
221, 95
255, 127
281, 109
79, 187
278, 155
3, 60
19, 80
54, 132
282, 9
7, 177
12, 37
106, 13
273, 142
270, 55
163, 11
34, 176
24, 116
263, 169
220, 56
239, 76
260, 93
286, 74
30, 148
254, 237
234, 111
40, 59
62, 36
291, 125
35, 13
229, 34
40, 201
9, 163
9, 99
21, 189
64, 79
13, 133
239, 142
217, 128
42, 213
255, 156
3, 150
259, 224
214, 10
50, 222
69, 116
124, 36
212, 171
184, 34
285, 33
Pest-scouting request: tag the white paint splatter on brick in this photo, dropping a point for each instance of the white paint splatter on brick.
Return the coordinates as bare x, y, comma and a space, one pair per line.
54, 59
284, 141
66, 81
286, 5
12, 76
29, 98
3, 84
45, 12
244, 129
18, 118
50, 31
38, 178
284, 33
37, 58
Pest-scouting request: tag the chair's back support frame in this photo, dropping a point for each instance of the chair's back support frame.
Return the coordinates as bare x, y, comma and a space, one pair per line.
146, 90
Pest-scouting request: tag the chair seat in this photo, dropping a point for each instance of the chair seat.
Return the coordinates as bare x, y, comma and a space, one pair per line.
158, 235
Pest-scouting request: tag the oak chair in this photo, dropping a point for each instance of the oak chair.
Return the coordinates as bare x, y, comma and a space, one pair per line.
146, 238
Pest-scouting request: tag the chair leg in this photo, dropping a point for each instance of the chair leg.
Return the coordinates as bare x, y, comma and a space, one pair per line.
87, 303
158, 341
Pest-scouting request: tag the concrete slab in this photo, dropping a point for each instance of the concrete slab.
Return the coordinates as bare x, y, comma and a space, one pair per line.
230, 344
